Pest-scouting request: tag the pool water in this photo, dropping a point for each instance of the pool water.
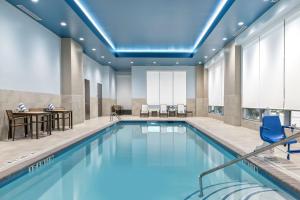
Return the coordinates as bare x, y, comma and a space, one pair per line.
142, 161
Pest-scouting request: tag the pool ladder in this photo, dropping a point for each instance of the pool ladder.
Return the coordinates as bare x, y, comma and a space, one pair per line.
241, 158
112, 115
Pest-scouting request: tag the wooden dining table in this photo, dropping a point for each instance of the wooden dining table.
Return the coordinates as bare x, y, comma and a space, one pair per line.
64, 113
36, 115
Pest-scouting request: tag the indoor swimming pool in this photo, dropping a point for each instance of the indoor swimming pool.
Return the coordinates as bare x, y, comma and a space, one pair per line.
141, 161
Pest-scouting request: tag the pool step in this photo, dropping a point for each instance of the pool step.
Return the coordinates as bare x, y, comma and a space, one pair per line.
238, 191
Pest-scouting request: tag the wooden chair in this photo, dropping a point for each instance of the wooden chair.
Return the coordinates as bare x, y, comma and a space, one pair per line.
15, 121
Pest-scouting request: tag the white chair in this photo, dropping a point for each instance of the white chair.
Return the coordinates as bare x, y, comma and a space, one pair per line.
144, 110
163, 111
181, 110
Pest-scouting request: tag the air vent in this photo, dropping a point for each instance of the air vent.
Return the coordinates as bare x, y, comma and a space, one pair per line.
28, 12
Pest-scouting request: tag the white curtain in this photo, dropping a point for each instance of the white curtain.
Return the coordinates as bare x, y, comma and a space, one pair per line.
250, 74
292, 63
179, 87
216, 82
152, 87
272, 68
263, 70
166, 87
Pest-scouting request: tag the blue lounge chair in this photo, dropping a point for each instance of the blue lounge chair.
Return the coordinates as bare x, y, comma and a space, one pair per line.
271, 131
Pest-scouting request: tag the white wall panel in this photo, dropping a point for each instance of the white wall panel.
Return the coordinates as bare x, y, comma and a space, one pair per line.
250, 75
124, 90
292, 63
272, 68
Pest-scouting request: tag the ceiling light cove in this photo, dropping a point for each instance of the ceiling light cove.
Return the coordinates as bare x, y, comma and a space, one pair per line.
83, 12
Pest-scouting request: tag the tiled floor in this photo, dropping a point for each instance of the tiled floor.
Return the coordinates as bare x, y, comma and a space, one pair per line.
20, 153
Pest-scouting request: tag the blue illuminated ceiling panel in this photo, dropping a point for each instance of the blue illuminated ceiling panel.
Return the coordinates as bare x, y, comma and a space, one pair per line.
142, 28
144, 32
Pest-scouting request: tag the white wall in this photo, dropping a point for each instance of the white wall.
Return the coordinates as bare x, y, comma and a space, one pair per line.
123, 80
29, 53
94, 72
97, 73
139, 80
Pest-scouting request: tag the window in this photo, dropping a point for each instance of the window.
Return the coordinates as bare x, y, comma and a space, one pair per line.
280, 113
252, 114
295, 118
218, 110
166, 87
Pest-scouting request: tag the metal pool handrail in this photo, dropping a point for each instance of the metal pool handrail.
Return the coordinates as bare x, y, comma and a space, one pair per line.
255, 152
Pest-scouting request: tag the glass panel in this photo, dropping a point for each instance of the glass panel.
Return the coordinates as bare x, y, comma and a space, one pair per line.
251, 114
295, 118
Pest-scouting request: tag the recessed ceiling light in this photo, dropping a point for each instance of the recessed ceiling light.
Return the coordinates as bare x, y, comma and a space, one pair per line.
241, 23
199, 62
102, 57
63, 23
154, 62
205, 57
35, 1
81, 39
224, 38
177, 63
213, 49
131, 62
109, 62
93, 49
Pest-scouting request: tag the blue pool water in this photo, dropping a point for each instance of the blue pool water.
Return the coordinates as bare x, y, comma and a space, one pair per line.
141, 161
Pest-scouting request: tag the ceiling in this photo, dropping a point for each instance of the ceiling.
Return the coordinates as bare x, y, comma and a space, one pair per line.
122, 33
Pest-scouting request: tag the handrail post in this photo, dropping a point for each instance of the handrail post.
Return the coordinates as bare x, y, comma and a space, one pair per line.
255, 152
201, 186
112, 114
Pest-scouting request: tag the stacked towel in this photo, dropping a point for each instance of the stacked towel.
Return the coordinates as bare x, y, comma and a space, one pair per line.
22, 107
51, 106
